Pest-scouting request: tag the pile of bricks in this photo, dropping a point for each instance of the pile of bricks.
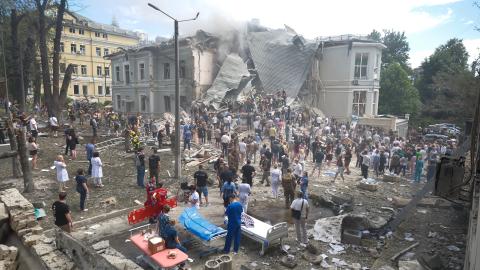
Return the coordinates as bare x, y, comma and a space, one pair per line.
8, 257
21, 213
22, 221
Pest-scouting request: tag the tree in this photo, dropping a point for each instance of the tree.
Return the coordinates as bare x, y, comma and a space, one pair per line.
55, 96
397, 49
450, 58
375, 35
397, 94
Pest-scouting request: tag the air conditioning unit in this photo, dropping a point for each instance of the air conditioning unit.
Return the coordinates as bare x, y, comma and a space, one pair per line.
355, 82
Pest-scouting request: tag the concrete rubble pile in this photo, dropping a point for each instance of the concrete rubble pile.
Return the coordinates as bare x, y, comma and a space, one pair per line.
20, 213
114, 257
8, 257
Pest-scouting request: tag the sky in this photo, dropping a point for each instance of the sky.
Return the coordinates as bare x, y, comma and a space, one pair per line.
427, 23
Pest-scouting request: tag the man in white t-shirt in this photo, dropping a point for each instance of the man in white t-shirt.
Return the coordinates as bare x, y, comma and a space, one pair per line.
242, 147
53, 125
225, 139
300, 204
33, 127
194, 199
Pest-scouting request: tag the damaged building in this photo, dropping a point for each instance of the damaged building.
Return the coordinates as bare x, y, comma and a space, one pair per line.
338, 75
144, 77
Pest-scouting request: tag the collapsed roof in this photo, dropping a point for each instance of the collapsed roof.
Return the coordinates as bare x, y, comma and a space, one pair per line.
275, 60
233, 76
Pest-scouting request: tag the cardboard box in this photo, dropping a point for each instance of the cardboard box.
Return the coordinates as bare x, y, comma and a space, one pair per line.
156, 244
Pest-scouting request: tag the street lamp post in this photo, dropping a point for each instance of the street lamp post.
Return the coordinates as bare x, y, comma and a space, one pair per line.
178, 168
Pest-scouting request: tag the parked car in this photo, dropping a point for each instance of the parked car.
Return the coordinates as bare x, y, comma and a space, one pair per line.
433, 137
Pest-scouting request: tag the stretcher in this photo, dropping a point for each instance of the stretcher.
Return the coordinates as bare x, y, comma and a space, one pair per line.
265, 233
159, 260
202, 229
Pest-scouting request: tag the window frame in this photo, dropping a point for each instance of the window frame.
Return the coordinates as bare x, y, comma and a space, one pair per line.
106, 71
82, 52
361, 67
117, 73
78, 90
359, 107
85, 93
99, 71
109, 92
182, 70
62, 47
71, 30
100, 90
73, 48
81, 31
75, 69
167, 103
141, 71
98, 51
82, 68
97, 34
166, 71
126, 71
106, 51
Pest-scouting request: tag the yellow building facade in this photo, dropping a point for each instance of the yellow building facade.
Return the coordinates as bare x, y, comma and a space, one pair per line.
84, 44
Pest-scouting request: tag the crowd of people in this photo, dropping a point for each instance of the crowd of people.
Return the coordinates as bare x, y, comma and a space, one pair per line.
285, 146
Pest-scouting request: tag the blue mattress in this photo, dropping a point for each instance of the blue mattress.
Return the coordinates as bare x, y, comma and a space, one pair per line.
193, 222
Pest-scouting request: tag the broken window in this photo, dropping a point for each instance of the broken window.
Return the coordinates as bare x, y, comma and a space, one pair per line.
361, 64
76, 90
182, 69
166, 100
127, 74
166, 71
359, 102
141, 68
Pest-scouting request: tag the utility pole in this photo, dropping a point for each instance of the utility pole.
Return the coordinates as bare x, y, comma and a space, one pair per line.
176, 150
7, 101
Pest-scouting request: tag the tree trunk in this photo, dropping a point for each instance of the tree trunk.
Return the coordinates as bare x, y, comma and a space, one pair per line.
56, 101
29, 55
43, 46
13, 146
37, 83
17, 58
64, 89
22, 153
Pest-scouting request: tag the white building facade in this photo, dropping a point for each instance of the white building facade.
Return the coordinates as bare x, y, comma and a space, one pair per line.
144, 79
350, 78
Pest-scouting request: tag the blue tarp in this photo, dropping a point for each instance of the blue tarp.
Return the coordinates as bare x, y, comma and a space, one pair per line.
193, 222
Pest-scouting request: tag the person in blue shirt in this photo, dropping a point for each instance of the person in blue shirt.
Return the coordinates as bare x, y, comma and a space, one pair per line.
187, 138
304, 185
90, 148
163, 221
234, 215
171, 238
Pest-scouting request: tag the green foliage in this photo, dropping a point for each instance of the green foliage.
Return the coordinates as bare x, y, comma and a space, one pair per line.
450, 58
107, 103
375, 35
397, 49
397, 94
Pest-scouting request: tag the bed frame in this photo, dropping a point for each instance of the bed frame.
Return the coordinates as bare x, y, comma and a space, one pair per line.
274, 234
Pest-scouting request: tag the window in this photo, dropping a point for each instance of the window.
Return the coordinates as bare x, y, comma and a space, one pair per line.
119, 102
359, 102
143, 103
82, 49
100, 90
107, 91
106, 52
81, 31
76, 90
84, 69
166, 100
117, 73
73, 48
107, 71
166, 71
141, 68
374, 104
182, 69
105, 35
361, 64
85, 90
75, 69
62, 47
127, 74
183, 101
97, 34
63, 67
99, 71
98, 51
71, 30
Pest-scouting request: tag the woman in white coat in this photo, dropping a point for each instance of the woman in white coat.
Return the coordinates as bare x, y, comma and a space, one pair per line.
62, 174
97, 171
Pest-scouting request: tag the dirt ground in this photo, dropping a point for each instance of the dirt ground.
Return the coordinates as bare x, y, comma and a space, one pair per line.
434, 228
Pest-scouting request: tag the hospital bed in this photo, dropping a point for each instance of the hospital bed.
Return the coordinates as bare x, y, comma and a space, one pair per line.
265, 233
202, 229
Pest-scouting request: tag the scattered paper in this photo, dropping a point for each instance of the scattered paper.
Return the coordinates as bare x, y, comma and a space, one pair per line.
127, 240
94, 227
339, 262
53, 167
138, 202
422, 211
89, 233
336, 249
45, 170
